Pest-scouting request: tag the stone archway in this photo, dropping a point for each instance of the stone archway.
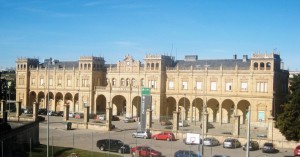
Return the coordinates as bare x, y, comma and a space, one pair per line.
197, 109
69, 100
136, 106
59, 102
242, 110
119, 106
32, 99
41, 100
213, 110
227, 111
170, 107
100, 104
50, 101
184, 107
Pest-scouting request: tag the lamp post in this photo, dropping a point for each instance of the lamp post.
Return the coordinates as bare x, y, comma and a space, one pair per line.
248, 131
204, 106
48, 109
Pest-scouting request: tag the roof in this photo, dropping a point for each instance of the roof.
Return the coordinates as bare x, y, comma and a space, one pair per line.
214, 64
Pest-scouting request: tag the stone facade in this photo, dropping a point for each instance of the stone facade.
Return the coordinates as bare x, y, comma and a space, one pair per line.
226, 86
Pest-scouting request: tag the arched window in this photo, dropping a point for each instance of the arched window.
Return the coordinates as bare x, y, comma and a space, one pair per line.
18, 66
122, 82
80, 66
255, 66
21, 66
85, 66
148, 65
142, 82
24, 66
262, 66
152, 66
89, 66
127, 82
133, 82
157, 66
268, 66
113, 82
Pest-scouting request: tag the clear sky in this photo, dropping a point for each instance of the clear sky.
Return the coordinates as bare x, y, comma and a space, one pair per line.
211, 29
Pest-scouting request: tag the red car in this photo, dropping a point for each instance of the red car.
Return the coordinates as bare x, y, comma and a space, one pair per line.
169, 136
144, 151
297, 151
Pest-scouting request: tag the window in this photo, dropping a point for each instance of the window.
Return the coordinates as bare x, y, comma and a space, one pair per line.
142, 82
69, 83
171, 84
50, 82
127, 82
85, 82
228, 86
184, 85
42, 81
244, 86
33, 81
199, 85
113, 82
59, 82
152, 84
213, 86
122, 82
262, 87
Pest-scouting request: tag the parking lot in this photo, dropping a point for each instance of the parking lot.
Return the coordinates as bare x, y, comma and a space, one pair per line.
86, 139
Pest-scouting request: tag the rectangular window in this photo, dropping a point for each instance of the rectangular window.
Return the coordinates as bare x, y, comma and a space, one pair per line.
261, 116
59, 82
184, 85
50, 82
84, 82
69, 82
262, 87
228, 86
152, 84
213, 86
199, 85
171, 85
244, 86
42, 81
33, 81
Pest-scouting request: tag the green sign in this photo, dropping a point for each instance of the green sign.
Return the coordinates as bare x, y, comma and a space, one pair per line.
146, 91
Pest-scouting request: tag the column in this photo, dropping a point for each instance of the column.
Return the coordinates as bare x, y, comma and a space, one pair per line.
148, 119
35, 109
108, 117
3, 106
66, 112
18, 109
236, 131
205, 125
86, 115
175, 120
270, 127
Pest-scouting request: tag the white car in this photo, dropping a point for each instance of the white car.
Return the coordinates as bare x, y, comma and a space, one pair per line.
72, 114
183, 124
102, 117
142, 134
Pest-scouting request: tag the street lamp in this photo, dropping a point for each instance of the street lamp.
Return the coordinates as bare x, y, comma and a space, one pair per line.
248, 131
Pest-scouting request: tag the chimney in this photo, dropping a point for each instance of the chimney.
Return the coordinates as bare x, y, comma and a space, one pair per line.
234, 56
245, 58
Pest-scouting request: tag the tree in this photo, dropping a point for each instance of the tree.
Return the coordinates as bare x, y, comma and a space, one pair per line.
288, 122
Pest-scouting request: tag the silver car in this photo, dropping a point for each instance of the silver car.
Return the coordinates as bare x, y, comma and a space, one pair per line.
210, 141
142, 134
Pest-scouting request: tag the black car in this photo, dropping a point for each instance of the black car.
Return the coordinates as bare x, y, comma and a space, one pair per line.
113, 145
185, 153
253, 145
59, 113
42, 111
268, 148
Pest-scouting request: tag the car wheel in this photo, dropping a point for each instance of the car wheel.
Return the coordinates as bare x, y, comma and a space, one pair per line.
133, 153
155, 138
168, 139
101, 148
120, 151
145, 137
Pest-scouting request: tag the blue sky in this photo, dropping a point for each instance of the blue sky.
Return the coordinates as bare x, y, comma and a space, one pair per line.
211, 29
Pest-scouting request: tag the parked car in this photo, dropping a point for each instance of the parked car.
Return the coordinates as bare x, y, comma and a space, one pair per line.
128, 119
221, 156
268, 148
28, 111
297, 151
145, 151
102, 117
51, 113
169, 136
115, 118
142, 134
185, 153
210, 141
60, 113
42, 111
165, 122
113, 145
79, 115
183, 123
253, 145
72, 114
231, 143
